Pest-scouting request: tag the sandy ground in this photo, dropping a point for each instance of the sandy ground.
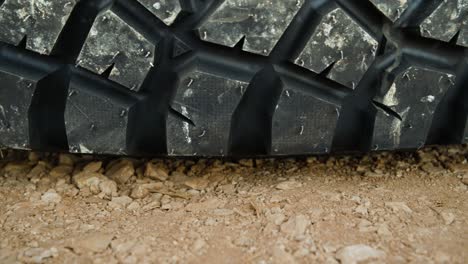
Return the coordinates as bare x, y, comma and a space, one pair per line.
380, 208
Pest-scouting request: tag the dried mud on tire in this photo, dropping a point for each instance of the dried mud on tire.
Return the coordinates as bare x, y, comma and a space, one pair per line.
231, 77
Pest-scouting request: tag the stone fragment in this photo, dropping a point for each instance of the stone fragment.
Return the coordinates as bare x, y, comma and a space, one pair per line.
296, 226
93, 166
288, 185
121, 171
155, 172
51, 197
197, 183
37, 255
398, 207
358, 253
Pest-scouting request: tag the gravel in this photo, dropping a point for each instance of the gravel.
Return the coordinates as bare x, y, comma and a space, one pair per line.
378, 208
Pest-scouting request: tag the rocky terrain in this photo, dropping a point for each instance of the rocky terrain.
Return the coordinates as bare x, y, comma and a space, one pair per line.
394, 208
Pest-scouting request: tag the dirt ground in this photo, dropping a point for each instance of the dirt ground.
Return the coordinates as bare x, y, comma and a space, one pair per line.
380, 208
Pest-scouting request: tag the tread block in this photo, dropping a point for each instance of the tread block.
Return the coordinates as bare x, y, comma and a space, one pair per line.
166, 10
209, 102
95, 124
414, 95
391, 8
261, 22
338, 39
113, 42
446, 21
307, 129
40, 21
16, 95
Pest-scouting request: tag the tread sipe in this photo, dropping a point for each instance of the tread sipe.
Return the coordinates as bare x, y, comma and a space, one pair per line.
232, 77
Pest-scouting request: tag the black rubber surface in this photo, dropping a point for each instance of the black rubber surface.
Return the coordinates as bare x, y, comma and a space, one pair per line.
232, 77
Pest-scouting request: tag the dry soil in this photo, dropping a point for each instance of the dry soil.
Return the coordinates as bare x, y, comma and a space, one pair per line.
379, 208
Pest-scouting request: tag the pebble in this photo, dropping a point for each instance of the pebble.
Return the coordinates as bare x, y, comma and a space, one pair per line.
277, 218
448, 217
362, 210
38, 171
197, 183
121, 171
464, 180
37, 255
121, 201
154, 172
281, 256
61, 171
142, 190
96, 243
296, 226
398, 207
86, 179
108, 188
133, 206
33, 156
51, 197
198, 245
93, 166
288, 185
358, 253
66, 159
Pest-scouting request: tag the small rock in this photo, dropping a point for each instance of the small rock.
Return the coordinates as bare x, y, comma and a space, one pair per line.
197, 183
223, 212
133, 206
399, 207
37, 255
66, 159
121, 171
93, 166
51, 197
33, 156
154, 172
97, 242
448, 217
121, 201
464, 180
246, 162
38, 171
358, 253
143, 190
61, 171
151, 206
288, 185
277, 218
108, 188
242, 240
459, 167
384, 231
87, 179
296, 226
198, 245
17, 168
362, 210
281, 256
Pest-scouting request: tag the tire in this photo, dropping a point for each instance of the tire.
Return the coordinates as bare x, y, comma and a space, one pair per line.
232, 77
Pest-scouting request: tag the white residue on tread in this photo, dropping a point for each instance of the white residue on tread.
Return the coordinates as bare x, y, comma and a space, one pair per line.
390, 98
185, 126
397, 126
84, 149
428, 99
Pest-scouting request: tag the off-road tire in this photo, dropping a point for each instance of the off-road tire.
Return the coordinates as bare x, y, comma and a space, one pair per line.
232, 77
